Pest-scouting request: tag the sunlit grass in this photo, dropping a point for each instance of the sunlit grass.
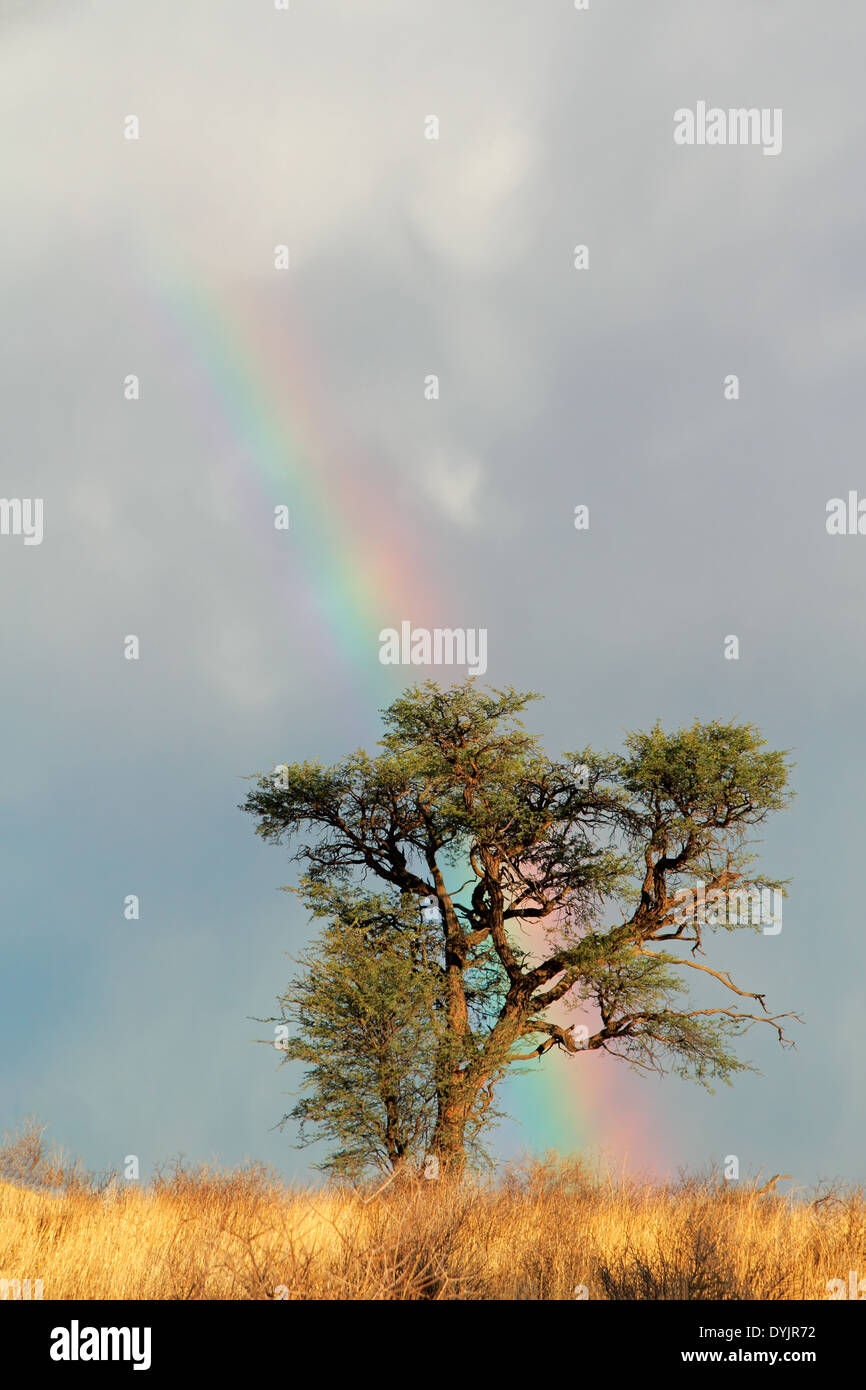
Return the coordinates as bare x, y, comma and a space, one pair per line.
548, 1230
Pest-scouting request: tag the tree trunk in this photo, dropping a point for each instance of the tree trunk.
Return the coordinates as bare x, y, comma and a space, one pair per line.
449, 1144
461, 1090
393, 1138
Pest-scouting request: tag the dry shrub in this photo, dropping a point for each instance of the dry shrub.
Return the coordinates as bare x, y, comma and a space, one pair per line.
26, 1161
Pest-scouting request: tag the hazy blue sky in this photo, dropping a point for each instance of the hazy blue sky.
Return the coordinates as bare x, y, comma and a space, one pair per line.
558, 387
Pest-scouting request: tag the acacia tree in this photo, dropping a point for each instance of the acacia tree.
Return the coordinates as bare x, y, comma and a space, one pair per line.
367, 1010
463, 805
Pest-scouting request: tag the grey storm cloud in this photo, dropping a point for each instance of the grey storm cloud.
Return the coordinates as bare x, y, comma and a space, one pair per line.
559, 387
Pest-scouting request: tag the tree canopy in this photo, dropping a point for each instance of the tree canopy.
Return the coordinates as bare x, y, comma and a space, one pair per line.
590, 851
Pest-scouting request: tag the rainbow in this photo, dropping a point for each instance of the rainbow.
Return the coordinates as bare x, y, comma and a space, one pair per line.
359, 567
592, 1103
360, 571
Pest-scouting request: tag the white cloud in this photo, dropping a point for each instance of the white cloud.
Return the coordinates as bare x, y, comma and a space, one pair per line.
453, 481
467, 209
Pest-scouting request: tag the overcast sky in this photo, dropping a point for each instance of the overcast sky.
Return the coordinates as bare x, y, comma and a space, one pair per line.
602, 386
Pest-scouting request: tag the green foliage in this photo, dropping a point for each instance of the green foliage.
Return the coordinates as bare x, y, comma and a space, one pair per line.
461, 804
366, 1008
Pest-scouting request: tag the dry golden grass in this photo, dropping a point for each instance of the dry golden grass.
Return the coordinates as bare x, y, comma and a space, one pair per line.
541, 1232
